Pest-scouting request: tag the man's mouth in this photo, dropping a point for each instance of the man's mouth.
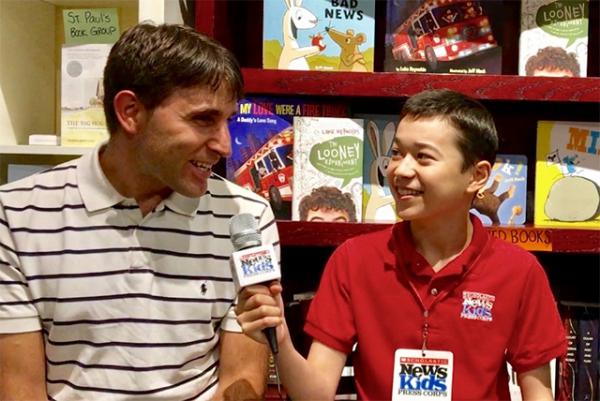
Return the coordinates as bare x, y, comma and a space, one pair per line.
201, 166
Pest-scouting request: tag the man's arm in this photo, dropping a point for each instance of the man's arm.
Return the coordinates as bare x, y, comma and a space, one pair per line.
242, 368
22, 367
535, 384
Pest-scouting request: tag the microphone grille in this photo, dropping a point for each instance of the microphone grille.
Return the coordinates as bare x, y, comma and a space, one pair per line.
244, 231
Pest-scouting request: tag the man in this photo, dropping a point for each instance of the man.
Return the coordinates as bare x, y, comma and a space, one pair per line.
114, 268
434, 305
327, 204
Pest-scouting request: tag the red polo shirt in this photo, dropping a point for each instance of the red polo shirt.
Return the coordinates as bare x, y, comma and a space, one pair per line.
489, 305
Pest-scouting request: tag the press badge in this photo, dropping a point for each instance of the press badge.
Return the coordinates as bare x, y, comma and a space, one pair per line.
421, 375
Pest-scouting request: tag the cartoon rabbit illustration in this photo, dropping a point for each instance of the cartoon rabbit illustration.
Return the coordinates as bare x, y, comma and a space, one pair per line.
379, 206
296, 17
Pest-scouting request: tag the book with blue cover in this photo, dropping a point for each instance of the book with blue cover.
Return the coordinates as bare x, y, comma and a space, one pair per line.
503, 200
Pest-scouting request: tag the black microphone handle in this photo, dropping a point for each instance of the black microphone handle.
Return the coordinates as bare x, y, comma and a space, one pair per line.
272, 339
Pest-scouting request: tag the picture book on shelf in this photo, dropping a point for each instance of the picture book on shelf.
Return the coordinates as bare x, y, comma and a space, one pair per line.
567, 174
378, 201
262, 138
324, 35
452, 36
503, 199
328, 185
554, 38
82, 93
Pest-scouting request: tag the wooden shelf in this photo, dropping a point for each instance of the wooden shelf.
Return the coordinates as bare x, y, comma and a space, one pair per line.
299, 233
43, 150
393, 85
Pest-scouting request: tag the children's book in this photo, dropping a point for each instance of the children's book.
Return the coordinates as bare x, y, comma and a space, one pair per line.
452, 36
503, 200
262, 136
325, 35
567, 367
586, 380
378, 201
567, 175
554, 38
328, 186
82, 94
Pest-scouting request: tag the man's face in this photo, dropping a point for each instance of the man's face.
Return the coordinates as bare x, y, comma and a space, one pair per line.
331, 215
182, 139
424, 173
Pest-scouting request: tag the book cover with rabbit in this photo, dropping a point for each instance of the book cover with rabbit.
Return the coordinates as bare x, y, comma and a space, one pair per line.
329, 182
451, 36
503, 200
324, 35
262, 142
567, 174
378, 201
554, 38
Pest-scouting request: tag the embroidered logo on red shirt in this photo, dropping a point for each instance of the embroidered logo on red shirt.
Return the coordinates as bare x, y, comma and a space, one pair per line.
477, 306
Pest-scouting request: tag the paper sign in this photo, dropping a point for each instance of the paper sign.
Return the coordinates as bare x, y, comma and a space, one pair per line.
529, 238
91, 25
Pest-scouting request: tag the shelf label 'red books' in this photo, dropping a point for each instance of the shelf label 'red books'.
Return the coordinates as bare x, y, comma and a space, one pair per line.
450, 36
503, 199
378, 201
567, 176
262, 142
324, 35
328, 185
554, 38
82, 92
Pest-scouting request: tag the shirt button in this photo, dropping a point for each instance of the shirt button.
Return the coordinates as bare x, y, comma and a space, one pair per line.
434, 291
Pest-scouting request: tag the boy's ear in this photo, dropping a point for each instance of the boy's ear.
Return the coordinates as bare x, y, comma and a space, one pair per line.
129, 111
481, 173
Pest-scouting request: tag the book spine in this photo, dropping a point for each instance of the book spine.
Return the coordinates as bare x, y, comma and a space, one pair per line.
587, 360
567, 367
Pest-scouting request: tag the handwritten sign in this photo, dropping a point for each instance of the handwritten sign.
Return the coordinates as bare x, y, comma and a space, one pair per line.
93, 25
529, 238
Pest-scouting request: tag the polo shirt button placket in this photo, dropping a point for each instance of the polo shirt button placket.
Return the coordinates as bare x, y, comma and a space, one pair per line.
434, 291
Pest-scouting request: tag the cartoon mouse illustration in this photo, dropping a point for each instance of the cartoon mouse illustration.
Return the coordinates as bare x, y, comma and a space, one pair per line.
487, 203
351, 58
296, 17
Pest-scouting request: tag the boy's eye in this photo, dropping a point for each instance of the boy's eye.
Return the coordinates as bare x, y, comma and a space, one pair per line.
395, 153
423, 156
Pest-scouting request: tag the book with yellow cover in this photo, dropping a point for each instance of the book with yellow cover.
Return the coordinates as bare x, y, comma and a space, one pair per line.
567, 175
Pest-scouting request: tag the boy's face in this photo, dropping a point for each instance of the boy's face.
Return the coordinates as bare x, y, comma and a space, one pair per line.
425, 174
331, 215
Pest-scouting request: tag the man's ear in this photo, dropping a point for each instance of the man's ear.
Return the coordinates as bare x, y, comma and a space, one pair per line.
481, 173
130, 112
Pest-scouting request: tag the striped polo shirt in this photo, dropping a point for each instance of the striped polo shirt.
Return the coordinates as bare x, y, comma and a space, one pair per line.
130, 306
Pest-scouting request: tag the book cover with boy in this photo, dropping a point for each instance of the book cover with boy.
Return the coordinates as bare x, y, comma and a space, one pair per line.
328, 186
567, 174
323, 35
262, 143
82, 94
378, 201
554, 38
503, 199
453, 36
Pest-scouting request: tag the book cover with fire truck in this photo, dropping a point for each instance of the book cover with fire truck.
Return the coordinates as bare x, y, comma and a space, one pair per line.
324, 35
567, 177
554, 38
262, 137
444, 36
328, 186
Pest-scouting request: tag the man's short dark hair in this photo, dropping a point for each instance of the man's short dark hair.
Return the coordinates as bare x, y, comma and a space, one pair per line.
478, 139
327, 198
155, 60
552, 59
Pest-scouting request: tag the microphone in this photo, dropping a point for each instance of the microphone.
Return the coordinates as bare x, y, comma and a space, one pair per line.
253, 263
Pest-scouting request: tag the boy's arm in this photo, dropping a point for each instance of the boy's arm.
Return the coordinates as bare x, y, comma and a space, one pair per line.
242, 368
22, 367
535, 384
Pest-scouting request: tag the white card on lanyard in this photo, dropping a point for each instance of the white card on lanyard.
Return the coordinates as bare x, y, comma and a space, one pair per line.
421, 375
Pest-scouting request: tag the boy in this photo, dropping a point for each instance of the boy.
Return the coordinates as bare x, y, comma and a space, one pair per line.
434, 305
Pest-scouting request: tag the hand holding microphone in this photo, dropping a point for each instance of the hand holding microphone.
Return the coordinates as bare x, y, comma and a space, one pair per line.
255, 268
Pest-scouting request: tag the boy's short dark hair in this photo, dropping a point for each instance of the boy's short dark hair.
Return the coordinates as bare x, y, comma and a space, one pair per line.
155, 60
478, 139
552, 59
327, 198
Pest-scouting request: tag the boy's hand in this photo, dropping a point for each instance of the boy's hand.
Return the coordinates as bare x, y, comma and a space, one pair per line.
259, 307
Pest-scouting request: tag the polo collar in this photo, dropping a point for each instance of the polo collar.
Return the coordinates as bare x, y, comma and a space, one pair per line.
98, 193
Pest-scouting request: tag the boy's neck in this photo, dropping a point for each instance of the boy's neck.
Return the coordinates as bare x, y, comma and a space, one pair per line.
441, 241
